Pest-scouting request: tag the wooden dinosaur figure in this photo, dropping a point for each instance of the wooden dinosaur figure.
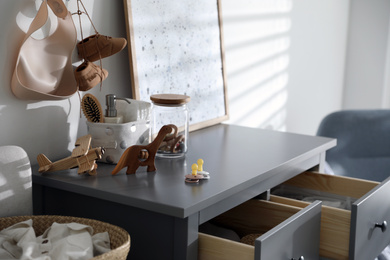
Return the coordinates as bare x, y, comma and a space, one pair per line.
172, 142
142, 155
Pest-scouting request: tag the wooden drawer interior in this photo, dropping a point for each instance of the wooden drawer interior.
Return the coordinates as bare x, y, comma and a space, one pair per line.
251, 217
215, 248
335, 222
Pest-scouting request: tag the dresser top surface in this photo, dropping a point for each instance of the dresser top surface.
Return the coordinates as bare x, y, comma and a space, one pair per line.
236, 158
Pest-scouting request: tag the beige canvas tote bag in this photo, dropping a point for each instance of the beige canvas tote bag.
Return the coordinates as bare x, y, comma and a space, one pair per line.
43, 68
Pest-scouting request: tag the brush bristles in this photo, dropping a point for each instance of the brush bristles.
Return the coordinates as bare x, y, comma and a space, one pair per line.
92, 109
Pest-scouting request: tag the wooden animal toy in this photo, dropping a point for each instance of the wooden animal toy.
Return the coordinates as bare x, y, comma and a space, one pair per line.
173, 142
142, 155
82, 156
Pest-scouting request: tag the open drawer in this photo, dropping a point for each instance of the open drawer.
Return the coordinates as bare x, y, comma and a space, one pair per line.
357, 233
287, 232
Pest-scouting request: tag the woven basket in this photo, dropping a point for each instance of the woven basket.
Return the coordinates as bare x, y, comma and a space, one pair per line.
119, 238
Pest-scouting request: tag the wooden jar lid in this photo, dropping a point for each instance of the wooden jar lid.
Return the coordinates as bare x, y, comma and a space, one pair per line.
170, 99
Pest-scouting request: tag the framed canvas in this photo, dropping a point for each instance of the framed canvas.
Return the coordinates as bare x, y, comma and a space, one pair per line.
176, 47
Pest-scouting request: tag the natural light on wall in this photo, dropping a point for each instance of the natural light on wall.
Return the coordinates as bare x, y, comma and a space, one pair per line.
256, 39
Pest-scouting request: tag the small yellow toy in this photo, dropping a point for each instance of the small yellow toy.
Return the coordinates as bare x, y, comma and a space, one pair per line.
194, 168
200, 169
197, 173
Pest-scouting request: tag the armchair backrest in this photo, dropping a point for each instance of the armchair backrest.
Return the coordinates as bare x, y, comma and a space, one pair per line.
363, 143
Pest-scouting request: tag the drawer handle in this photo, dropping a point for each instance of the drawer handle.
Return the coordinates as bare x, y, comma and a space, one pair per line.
382, 226
301, 258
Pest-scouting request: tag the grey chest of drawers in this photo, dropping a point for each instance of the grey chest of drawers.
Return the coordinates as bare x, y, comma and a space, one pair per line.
160, 211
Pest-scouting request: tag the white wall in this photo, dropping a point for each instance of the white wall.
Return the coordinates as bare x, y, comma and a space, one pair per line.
51, 127
367, 83
296, 76
285, 61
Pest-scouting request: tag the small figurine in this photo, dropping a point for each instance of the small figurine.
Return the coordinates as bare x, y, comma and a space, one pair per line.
205, 174
173, 143
82, 156
197, 173
142, 155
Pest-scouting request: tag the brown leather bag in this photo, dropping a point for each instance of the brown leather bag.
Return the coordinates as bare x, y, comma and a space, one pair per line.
43, 68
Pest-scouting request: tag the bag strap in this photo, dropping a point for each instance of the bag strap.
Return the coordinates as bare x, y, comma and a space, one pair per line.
39, 20
59, 9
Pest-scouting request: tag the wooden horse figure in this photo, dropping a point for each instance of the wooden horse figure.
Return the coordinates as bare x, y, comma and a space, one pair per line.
142, 155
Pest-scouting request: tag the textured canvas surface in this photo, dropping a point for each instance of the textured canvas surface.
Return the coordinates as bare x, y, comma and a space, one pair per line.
178, 50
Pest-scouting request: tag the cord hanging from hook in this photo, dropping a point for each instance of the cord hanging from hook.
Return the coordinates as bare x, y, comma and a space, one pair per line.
79, 13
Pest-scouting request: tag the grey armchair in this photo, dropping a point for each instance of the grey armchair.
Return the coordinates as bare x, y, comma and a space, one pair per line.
363, 143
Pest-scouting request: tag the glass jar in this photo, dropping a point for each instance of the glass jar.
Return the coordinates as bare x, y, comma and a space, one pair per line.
170, 109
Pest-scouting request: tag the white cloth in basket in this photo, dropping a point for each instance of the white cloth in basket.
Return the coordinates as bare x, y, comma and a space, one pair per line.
60, 241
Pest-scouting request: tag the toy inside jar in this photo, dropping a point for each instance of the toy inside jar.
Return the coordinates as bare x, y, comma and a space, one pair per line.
170, 109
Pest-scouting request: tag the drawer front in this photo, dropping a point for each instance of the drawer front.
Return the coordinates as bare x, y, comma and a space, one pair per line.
368, 240
335, 228
298, 237
288, 232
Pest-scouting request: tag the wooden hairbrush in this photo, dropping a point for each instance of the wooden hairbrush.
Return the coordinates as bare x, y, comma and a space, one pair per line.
92, 109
